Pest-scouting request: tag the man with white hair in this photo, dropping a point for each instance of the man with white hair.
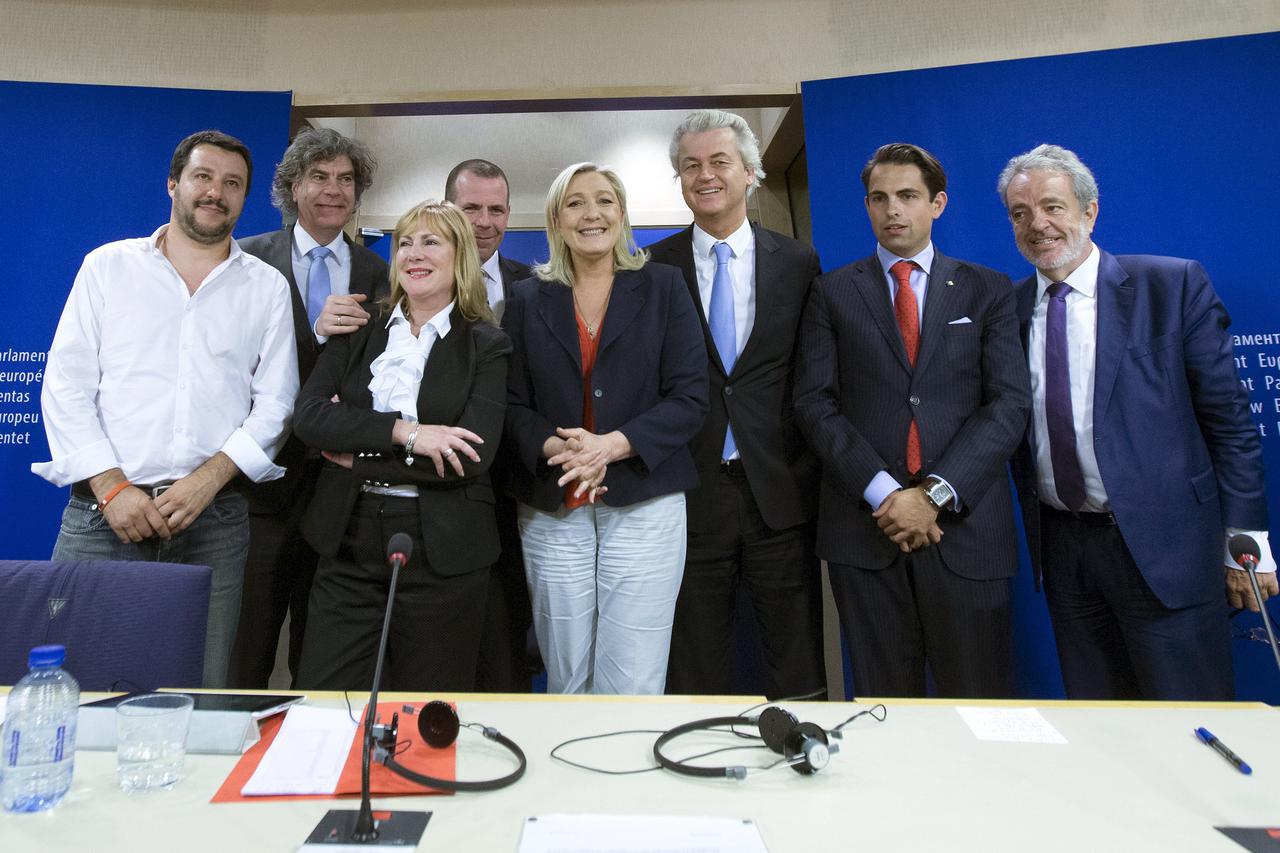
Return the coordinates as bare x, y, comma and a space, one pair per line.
750, 520
1141, 457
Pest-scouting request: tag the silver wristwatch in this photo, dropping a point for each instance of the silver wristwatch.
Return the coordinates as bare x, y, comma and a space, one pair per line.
938, 493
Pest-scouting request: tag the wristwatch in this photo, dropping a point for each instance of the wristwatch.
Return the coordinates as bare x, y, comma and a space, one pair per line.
938, 493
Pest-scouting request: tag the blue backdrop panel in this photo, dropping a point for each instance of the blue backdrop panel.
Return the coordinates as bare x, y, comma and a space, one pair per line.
88, 165
1183, 140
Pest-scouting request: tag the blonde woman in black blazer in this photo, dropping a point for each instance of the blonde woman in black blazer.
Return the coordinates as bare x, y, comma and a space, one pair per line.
408, 413
603, 454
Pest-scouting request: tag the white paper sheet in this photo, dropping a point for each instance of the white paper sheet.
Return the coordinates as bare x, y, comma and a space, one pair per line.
1011, 725
307, 755
594, 833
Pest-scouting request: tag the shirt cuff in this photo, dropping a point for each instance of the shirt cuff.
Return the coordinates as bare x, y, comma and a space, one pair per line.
879, 488
250, 458
1266, 564
80, 465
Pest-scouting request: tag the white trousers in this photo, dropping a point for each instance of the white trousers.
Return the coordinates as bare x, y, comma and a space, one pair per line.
603, 583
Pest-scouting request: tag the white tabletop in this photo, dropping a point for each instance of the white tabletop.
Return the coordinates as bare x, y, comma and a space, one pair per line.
1131, 777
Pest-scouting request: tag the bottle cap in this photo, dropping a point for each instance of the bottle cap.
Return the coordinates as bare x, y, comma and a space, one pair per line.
46, 656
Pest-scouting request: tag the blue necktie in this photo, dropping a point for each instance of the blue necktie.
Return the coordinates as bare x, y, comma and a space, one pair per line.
1067, 476
724, 329
318, 287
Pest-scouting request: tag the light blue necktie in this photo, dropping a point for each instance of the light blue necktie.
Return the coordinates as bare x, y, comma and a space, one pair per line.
318, 287
723, 328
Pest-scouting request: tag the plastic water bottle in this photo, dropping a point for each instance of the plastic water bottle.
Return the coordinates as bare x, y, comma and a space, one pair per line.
39, 741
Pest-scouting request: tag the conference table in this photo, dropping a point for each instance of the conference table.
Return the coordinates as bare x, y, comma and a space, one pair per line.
1130, 776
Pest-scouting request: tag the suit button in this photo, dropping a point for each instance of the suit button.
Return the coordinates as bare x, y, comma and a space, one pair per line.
728, 390
914, 400
599, 393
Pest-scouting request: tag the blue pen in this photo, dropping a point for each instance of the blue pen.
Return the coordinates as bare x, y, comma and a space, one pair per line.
1208, 739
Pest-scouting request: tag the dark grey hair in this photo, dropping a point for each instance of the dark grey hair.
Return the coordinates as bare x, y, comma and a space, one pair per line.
700, 121
319, 145
1051, 158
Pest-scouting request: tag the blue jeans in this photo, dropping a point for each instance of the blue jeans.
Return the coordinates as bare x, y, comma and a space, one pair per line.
219, 539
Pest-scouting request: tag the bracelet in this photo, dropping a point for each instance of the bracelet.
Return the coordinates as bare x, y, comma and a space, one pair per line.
115, 490
408, 446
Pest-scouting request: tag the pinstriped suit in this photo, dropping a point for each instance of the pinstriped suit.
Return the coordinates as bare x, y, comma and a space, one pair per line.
856, 394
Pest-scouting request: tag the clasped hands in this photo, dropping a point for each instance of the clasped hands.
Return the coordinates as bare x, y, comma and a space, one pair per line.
134, 515
440, 444
908, 518
585, 457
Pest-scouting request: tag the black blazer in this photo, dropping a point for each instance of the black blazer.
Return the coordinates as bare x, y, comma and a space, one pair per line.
856, 394
757, 397
649, 381
368, 276
464, 384
512, 271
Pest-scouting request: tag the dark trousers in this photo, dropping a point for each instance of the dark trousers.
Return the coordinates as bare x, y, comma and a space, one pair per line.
1115, 639
782, 579
435, 620
917, 612
504, 657
277, 580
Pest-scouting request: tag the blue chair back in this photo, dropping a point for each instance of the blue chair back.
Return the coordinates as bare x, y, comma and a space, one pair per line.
140, 625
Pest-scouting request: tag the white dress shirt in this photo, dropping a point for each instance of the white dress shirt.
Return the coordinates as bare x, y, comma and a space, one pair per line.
149, 378
397, 374
339, 264
742, 266
1082, 337
491, 273
883, 483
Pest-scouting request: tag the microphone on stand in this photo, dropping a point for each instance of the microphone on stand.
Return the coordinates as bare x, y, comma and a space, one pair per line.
1245, 551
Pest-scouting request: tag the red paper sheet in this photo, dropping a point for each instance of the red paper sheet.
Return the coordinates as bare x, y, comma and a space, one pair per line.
413, 754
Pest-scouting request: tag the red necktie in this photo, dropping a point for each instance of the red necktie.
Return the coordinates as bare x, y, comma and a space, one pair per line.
904, 308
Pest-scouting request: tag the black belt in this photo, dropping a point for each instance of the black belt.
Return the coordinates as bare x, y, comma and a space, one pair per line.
1088, 519
732, 467
80, 489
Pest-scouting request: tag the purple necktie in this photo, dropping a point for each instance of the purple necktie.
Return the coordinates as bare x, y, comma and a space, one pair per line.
1067, 476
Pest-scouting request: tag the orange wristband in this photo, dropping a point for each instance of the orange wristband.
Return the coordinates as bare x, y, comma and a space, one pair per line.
115, 490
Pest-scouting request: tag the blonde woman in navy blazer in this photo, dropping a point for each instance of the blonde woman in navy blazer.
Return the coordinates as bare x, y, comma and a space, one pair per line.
408, 412
603, 457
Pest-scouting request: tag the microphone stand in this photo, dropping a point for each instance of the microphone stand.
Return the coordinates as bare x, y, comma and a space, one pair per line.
1250, 566
365, 829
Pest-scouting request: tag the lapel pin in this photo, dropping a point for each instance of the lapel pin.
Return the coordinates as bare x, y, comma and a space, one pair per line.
950, 283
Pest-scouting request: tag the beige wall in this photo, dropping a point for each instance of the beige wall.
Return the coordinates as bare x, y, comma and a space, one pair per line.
339, 51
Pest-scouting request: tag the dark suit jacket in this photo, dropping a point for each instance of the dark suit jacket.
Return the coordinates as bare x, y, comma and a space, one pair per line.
368, 276
649, 381
463, 384
856, 394
757, 396
512, 271
1179, 454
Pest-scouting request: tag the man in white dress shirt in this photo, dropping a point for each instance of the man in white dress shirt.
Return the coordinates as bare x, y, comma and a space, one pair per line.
171, 372
481, 190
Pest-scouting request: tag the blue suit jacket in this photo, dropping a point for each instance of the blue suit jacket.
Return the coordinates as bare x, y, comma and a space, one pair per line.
649, 381
856, 394
1178, 452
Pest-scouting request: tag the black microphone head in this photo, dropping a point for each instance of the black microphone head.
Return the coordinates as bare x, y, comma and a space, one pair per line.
1243, 545
400, 544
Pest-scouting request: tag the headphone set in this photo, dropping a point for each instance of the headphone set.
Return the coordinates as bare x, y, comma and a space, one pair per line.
805, 747
438, 726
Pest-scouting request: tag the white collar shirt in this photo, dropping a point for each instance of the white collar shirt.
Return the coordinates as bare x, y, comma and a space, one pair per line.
1082, 336
152, 379
397, 373
923, 261
742, 266
491, 272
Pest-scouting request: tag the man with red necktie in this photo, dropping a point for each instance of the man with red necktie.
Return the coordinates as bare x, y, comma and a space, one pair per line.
911, 388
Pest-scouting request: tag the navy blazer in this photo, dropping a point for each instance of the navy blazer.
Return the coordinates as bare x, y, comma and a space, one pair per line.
756, 396
649, 382
856, 394
1179, 454
463, 384
369, 277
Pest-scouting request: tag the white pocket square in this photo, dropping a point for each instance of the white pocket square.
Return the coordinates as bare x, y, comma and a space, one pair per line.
960, 322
